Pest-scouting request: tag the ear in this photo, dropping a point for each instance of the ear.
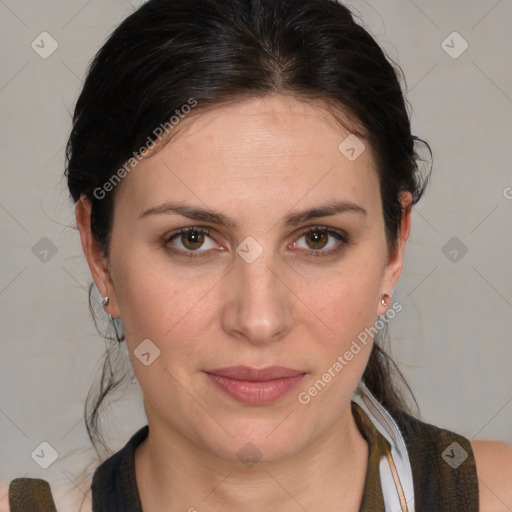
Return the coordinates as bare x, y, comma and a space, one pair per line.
98, 264
395, 263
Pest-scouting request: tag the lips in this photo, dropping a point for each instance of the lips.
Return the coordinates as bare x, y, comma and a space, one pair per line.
255, 375
255, 386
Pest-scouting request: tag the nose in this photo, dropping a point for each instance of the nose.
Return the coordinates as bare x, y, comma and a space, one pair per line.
259, 305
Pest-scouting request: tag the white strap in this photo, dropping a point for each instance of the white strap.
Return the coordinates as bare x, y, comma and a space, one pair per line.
387, 426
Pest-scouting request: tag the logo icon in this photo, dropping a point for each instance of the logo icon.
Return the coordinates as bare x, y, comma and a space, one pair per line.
454, 249
146, 352
44, 45
351, 147
249, 454
454, 455
454, 45
44, 250
45, 455
249, 249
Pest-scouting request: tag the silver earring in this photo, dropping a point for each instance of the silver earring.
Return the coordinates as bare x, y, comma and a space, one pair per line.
104, 301
383, 298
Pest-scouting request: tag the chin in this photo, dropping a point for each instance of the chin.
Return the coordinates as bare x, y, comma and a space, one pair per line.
257, 441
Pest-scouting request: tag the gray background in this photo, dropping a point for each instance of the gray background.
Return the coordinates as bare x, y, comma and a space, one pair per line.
452, 339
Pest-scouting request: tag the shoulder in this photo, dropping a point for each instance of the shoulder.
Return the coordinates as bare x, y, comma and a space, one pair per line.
4, 496
494, 469
443, 466
66, 497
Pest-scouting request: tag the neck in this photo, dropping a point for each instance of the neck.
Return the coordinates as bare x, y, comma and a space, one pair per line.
328, 474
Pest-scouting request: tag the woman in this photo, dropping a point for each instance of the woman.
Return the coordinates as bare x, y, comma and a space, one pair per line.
244, 173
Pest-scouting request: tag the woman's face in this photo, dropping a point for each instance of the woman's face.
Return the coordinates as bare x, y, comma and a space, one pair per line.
263, 290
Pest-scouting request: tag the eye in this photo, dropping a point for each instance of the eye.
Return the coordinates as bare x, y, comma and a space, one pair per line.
317, 239
191, 240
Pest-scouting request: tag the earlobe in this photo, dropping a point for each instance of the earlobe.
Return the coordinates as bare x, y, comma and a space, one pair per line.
96, 260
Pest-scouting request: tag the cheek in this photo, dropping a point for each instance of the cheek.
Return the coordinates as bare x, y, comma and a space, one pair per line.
149, 304
346, 301
347, 306
160, 308
161, 302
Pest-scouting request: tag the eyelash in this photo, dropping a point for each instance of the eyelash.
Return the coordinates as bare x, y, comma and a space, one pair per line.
314, 253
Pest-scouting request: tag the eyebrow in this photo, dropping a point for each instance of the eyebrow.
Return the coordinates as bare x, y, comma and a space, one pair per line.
293, 219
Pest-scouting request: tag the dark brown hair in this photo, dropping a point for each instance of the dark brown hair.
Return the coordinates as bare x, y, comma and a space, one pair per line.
214, 51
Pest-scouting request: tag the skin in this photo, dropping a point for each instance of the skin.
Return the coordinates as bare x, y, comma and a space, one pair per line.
494, 471
256, 161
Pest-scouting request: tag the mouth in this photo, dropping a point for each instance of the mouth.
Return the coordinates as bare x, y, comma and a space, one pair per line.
255, 386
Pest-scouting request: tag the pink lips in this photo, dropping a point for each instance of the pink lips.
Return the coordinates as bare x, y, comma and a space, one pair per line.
253, 386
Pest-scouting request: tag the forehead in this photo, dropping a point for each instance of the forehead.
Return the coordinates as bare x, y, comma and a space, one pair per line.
259, 150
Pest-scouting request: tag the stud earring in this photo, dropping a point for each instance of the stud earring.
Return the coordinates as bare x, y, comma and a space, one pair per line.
104, 301
383, 299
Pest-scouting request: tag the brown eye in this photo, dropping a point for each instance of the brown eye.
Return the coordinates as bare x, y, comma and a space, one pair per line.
192, 239
190, 242
318, 239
